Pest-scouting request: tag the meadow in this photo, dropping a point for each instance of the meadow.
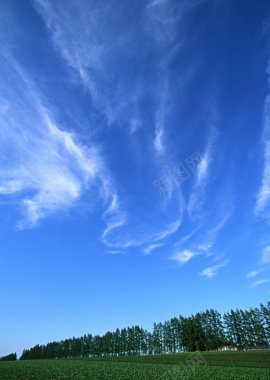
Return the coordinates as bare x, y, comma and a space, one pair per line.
250, 365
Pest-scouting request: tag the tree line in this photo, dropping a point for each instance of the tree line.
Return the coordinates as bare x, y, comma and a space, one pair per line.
204, 331
9, 357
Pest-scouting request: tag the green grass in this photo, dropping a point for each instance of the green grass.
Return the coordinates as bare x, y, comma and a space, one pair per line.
224, 366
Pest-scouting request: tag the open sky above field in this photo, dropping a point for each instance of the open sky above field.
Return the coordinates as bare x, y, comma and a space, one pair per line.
134, 163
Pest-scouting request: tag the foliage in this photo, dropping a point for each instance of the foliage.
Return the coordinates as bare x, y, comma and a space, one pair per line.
10, 357
205, 331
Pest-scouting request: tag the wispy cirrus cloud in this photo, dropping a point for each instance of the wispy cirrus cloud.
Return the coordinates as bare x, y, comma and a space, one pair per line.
260, 282
170, 229
130, 237
91, 48
265, 256
160, 118
213, 233
45, 168
253, 273
204, 245
212, 271
196, 197
157, 240
182, 257
262, 266
151, 247
263, 196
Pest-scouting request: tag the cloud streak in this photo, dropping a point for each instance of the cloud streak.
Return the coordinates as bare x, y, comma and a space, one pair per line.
253, 274
42, 165
265, 258
197, 195
183, 257
91, 48
212, 271
263, 196
259, 282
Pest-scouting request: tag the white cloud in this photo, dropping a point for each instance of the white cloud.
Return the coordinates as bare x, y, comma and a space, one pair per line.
184, 256
263, 197
210, 235
44, 166
203, 168
155, 3
160, 118
112, 225
205, 247
188, 236
158, 141
10, 186
265, 258
196, 198
89, 48
216, 229
168, 231
253, 273
151, 247
127, 238
260, 282
212, 271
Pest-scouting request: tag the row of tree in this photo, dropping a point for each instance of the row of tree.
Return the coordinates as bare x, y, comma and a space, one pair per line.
9, 357
204, 331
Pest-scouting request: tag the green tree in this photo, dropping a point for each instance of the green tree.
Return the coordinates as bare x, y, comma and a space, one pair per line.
9, 357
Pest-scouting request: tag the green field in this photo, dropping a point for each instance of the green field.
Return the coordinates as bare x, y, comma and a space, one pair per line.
250, 365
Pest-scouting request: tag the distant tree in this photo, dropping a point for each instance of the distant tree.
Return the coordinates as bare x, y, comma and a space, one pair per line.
9, 357
176, 334
150, 347
124, 342
213, 329
157, 338
193, 334
265, 312
167, 337
234, 327
203, 331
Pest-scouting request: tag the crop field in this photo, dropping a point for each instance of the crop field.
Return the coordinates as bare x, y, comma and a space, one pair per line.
248, 365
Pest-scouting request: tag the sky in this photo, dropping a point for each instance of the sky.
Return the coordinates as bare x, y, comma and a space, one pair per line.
134, 163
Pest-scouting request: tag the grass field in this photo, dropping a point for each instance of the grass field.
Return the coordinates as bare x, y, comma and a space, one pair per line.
250, 365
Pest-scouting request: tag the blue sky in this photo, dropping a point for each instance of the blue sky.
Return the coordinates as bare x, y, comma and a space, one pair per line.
134, 164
